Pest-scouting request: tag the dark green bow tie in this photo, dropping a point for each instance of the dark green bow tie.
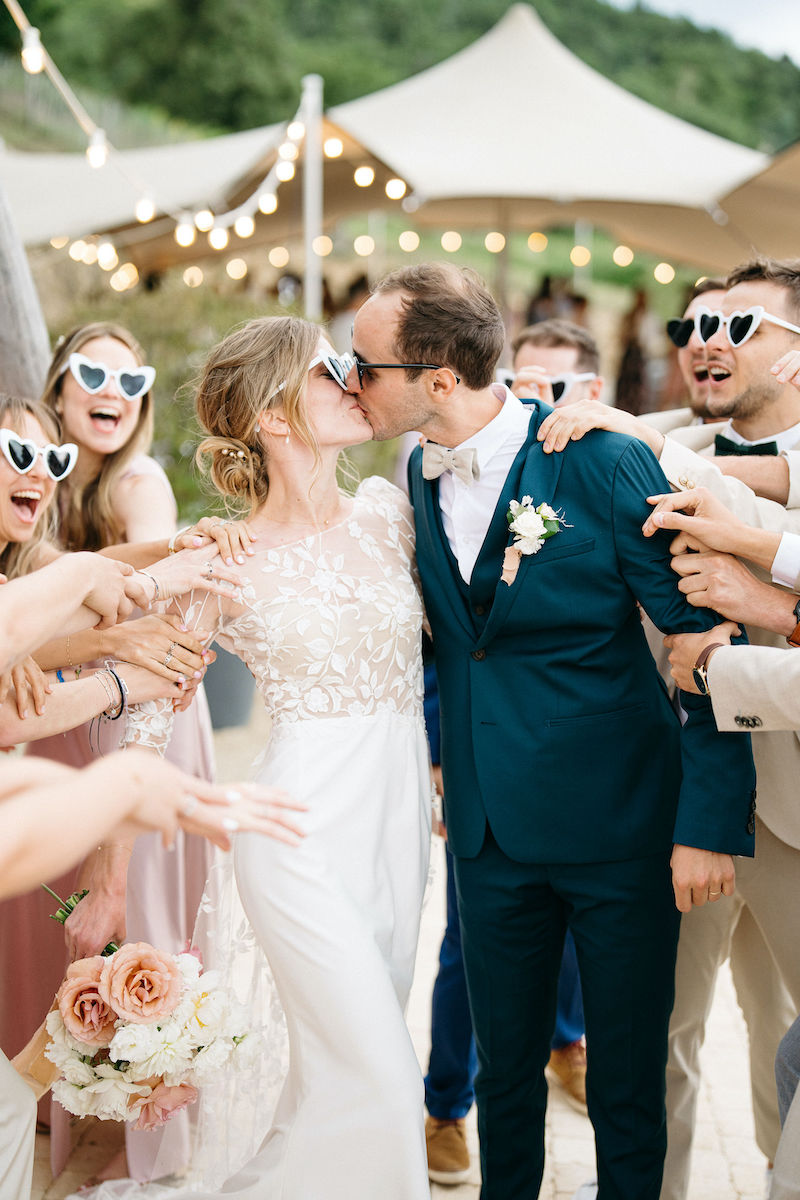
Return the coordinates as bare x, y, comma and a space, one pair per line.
723, 445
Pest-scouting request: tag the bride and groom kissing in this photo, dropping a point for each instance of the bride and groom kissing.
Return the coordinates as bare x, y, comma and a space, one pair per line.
574, 798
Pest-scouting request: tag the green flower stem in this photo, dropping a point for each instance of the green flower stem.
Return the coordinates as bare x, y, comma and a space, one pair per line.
67, 906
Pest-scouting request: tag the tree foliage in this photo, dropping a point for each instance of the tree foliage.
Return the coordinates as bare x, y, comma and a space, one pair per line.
238, 63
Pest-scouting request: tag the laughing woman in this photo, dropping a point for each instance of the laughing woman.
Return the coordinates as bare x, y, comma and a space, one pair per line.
99, 391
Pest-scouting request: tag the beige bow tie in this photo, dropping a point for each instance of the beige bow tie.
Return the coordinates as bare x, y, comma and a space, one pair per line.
463, 463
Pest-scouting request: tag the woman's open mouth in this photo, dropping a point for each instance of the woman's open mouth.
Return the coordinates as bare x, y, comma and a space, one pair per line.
26, 504
104, 419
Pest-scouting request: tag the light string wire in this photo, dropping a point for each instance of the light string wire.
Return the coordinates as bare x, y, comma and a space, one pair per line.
268, 184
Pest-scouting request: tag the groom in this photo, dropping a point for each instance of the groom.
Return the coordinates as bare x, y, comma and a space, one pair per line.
571, 788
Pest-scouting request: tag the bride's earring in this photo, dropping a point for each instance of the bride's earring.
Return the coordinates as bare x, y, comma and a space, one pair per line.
287, 439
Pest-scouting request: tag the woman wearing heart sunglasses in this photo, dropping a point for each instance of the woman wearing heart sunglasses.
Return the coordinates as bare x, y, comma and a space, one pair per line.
117, 500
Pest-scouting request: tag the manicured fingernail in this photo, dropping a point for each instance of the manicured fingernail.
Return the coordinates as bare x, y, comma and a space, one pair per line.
198, 541
206, 654
229, 561
232, 795
230, 824
184, 628
240, 558
198, 675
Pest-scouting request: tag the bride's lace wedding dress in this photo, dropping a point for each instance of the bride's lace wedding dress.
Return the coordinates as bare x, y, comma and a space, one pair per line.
330, 628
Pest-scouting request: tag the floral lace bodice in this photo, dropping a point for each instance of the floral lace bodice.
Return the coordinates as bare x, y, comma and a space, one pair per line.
329, 626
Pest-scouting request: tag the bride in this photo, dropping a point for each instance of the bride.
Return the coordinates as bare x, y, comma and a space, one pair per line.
329, 624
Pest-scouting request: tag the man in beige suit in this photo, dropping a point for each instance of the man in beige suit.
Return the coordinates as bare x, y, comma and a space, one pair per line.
758, 927
752, 688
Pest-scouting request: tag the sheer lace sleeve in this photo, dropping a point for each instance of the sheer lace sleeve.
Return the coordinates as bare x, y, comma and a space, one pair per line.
150, 721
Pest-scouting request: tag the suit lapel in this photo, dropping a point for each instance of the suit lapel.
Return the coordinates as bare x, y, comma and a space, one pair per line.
429, 526
538, 479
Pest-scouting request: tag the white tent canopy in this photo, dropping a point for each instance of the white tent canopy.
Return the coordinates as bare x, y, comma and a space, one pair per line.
517, 114
52, 194
514, 131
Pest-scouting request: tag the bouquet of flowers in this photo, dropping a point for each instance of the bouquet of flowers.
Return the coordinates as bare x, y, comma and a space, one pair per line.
134, 1034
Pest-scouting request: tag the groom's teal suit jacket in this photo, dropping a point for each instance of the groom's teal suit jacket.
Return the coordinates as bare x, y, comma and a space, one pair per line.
556, 726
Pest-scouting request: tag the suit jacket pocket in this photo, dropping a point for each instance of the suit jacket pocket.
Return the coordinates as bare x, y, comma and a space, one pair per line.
617, 714
551, 550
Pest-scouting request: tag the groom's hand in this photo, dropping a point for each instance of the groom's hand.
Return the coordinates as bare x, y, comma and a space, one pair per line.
700, 876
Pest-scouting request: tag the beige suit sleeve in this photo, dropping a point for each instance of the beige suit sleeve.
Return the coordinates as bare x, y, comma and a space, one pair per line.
685, 468
793, 459
755, 688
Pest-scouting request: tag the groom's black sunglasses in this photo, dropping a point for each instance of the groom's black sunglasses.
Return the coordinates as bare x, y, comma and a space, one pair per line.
362, 367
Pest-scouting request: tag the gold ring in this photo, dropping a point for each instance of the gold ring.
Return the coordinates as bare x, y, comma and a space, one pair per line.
714, 893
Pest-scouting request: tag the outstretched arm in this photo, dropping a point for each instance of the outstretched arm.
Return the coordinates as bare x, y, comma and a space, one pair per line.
718, 776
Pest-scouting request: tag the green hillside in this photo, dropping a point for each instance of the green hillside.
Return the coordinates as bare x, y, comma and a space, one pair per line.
236, 64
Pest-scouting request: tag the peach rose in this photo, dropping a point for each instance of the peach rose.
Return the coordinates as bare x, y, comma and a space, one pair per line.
141, 983
84, 1011
164, 1102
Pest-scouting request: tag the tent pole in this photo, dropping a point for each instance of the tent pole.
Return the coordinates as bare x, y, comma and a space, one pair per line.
311, 107
501, 269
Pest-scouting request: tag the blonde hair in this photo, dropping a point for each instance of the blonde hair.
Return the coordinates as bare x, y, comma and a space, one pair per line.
87, 520
19, 558
259, 366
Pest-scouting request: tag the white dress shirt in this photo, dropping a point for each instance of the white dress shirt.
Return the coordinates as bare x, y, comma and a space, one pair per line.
786, 563
467, 509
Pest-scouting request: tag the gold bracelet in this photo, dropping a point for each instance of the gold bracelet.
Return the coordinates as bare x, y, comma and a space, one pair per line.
77, 669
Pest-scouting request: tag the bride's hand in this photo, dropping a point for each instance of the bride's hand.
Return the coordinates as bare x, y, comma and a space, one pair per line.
233, 538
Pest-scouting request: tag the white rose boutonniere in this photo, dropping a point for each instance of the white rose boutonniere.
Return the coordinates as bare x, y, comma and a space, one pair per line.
531, 526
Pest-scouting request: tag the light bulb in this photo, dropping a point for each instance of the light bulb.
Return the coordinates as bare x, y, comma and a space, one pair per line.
145, 209
97, 150
32, 51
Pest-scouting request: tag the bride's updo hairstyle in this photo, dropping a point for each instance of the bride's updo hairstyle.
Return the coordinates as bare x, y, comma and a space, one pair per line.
241, 379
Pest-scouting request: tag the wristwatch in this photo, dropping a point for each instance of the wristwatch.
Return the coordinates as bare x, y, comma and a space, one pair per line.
794, 637
699, 671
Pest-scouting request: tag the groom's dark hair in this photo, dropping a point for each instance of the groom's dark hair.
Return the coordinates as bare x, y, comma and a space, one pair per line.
449, 319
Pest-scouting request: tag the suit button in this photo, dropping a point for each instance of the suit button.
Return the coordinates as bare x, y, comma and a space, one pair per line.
480, 609
479, 655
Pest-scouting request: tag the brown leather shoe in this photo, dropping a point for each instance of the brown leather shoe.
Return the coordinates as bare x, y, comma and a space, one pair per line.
567, 1068
448, 1156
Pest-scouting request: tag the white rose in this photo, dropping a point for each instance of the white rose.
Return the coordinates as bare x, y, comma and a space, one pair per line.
547, 512
528, 524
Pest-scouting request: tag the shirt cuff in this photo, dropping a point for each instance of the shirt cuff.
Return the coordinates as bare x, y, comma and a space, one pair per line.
793, 459
786, 563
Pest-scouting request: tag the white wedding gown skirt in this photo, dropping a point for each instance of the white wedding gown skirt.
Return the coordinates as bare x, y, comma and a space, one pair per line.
338, 918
